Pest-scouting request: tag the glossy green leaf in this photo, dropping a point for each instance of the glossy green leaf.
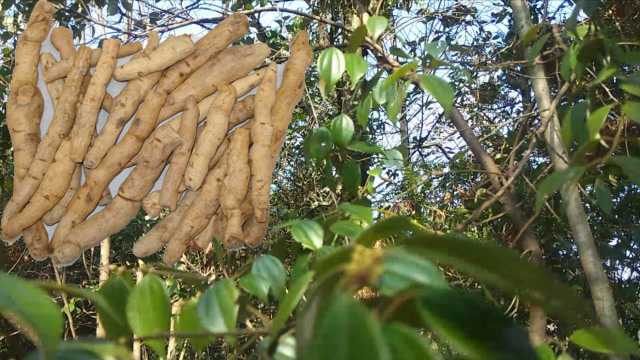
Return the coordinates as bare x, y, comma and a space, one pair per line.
356, 67
402, 270
394, 158
189, 322
346, 330
440, 90
376, 25
358, 212
400, 73
379, 93
499, 267
406, 344
346, 228
555, 181
631, 86
308, 233
255, 285
28, 307
363, 110
351, 177
607, 341
533, 51
289, 302
473, 327
217, 308
342, 129
569, 63
632, 110
149, 311
603, 196
116, 292
331, 66
319, 143
397, 225
396, 95
363, 147
545, 353
630, 166
573, 124
596, 120
271, 269
357, 38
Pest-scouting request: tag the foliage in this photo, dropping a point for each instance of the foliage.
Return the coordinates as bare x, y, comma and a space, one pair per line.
377, 250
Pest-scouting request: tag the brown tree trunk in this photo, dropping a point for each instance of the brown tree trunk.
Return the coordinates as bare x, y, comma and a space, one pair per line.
589, 258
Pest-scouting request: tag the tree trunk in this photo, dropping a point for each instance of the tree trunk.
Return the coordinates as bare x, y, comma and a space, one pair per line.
589, 258
529, 243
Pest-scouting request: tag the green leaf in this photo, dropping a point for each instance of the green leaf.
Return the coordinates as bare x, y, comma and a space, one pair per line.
255, 285
351, 177
607, 341
632, 110
531, 35
331, 66
30, 309
499, 267
402, 270
440, 90
603, 75
406, 344
396, 51
435, 49
569, 63
99, 348
630, 166
115, 292
603, 196
596, 120
394, 158
395, 96
356, 67
400, 73
217, 307
149, 311
346, 330
379, 92
290, 300
308, 233
319, 143
271, 269
363, 147
631, 88
346, 228
189, 322
555, 181
363, 109
397, 225
342, 130
358, 212
473, 327
573, 124
286, 349
545, 353
533, 51
376, 25
357, 38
